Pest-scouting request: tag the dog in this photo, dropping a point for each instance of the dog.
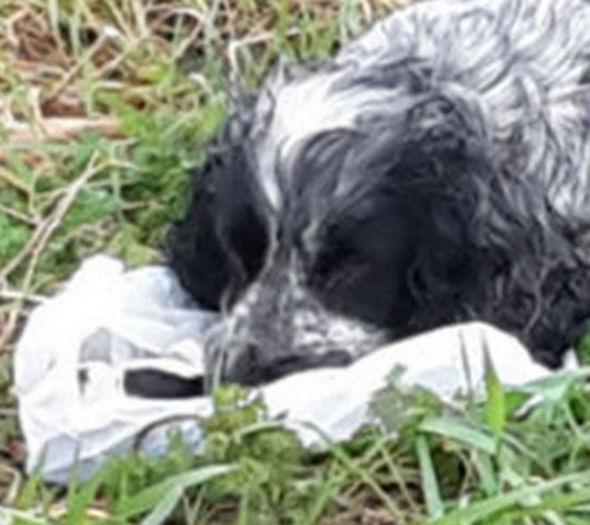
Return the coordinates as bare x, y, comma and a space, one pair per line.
436, 170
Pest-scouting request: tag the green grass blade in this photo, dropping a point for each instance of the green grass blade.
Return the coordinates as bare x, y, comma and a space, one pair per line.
429, 482
340, 454
487, 508
29, 491
149, 497
161, 512
9, 516
485, 471
458, 430
82, 498
559, 503
495, 406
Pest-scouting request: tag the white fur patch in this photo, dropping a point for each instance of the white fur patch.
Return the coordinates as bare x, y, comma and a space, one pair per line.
522, 62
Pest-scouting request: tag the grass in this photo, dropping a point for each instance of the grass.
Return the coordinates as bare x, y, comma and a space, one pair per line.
106, 104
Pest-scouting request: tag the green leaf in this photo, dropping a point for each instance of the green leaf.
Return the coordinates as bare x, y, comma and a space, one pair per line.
495, 406
90, 207
400, 408
583, 349
13, 237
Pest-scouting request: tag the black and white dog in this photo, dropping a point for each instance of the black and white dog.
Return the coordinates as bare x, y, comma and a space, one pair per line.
436, 170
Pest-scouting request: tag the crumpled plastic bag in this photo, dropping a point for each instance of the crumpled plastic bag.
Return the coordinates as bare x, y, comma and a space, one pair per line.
76, 349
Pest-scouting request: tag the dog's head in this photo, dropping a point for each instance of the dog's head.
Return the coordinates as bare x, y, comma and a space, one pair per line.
423, 176
320, 239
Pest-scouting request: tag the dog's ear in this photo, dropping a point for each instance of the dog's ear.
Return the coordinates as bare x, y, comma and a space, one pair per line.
220, 243
444, 167
489, 247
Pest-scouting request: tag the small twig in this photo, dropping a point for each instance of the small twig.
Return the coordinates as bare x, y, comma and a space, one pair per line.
17, 215
11, 295
9, 26
120, 58
367, 10
187, 42
9, 178
73, 71
178, 10
401, 481
140, 16
235, 45
63, 128
37, 243
143, 434
46, 228
14, 484
27, 157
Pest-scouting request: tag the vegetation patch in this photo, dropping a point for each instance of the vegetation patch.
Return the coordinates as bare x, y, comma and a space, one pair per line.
105, 108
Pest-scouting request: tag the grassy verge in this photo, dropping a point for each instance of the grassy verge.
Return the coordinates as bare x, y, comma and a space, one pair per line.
473, 463
104, 107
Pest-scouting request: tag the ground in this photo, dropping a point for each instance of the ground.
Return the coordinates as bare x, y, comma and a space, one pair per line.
105, 105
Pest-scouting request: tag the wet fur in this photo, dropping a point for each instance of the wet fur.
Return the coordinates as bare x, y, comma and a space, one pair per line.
436, 170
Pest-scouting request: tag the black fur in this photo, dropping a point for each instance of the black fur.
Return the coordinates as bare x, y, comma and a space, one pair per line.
405, 221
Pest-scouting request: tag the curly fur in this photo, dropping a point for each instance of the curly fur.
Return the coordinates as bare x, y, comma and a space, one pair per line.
435, 171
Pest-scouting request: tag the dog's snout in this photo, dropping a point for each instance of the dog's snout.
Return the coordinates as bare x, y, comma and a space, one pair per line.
281, 330
244, 365
254, 365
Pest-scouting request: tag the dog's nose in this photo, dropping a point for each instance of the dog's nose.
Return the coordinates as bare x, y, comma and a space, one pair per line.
244, 365
255, 366
252, 365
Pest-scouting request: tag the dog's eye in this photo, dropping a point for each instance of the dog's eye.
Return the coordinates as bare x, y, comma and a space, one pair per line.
337, 266
337, 259
361, 266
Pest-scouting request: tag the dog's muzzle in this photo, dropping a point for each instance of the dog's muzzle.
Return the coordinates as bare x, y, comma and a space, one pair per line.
251, 365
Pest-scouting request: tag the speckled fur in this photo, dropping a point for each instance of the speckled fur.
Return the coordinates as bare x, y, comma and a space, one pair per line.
447, 149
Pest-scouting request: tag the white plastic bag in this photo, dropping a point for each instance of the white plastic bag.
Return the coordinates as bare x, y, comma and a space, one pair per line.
76, 348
